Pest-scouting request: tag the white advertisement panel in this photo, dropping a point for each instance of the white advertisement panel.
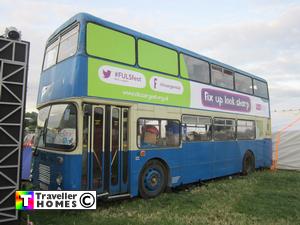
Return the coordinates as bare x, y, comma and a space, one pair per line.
218, 99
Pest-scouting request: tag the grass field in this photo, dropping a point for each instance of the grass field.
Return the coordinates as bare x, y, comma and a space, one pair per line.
264, 197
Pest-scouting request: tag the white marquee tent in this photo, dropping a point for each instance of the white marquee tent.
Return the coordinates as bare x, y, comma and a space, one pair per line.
286, 139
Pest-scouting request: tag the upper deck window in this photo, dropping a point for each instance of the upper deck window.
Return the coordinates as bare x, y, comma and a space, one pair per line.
68, 44
64, 47
221, 77
243, 83
158, 58
110, 44
260, 88
194, 69
51, 55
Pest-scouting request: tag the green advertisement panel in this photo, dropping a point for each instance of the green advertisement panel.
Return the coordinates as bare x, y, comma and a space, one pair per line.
115, 81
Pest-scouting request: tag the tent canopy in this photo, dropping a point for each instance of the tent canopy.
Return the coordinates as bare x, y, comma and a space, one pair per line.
286, 139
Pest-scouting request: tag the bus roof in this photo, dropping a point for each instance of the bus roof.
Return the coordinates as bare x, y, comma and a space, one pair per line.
85, 17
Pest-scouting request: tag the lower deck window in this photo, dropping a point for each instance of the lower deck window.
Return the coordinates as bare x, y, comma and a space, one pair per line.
245, 129
224, 129
196, 128
156, 133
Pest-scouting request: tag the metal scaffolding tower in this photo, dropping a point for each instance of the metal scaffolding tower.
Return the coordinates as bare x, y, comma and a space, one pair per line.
13, 79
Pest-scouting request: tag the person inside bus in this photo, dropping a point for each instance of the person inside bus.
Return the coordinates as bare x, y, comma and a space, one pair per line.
172, 133
184, 132
150, 135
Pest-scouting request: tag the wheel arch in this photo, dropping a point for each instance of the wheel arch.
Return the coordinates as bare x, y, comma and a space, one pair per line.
164, 163
246, 154
251, 152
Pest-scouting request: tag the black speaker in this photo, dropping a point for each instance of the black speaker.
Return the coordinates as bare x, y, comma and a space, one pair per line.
13, 81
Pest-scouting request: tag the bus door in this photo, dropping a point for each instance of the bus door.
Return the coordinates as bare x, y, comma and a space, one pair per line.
108, 162
116, 148
96, 150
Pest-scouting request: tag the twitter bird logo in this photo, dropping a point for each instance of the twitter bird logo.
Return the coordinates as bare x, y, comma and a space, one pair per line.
106, 74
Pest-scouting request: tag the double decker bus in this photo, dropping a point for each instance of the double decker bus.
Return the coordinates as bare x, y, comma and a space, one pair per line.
127, 114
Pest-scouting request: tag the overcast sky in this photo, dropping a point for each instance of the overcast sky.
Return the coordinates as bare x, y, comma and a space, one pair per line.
259, 36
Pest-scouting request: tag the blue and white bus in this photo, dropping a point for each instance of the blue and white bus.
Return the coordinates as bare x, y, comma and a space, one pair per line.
127, 114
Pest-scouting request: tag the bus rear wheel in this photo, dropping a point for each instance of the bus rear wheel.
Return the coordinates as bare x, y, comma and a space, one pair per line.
153, 179
248, 163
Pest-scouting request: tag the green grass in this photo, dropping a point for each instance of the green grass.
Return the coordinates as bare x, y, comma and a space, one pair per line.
264, 197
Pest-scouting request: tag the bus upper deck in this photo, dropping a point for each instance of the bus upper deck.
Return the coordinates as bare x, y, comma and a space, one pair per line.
140, 68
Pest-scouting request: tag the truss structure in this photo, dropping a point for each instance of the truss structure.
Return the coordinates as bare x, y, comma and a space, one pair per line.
13, 80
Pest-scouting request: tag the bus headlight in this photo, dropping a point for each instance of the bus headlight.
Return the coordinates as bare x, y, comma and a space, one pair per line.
60, 160
59, 179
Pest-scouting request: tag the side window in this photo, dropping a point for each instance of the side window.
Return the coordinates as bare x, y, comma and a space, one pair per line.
260, 88
41, 120
63, 47
158, 58
243, 83
51, 55
221, 77
68, 44
223, 129
196, 128
110, 44
157, 133
245, 129
194, 69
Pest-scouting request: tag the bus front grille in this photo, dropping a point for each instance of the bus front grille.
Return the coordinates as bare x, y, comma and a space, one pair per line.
44, 174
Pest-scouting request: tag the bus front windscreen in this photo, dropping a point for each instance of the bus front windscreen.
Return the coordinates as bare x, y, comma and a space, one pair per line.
56, 128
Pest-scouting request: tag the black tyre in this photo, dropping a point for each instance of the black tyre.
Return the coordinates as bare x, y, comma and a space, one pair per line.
153, 179
248, 163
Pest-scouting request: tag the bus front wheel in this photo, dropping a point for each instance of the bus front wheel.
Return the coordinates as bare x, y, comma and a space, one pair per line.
248, 163
153, 179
